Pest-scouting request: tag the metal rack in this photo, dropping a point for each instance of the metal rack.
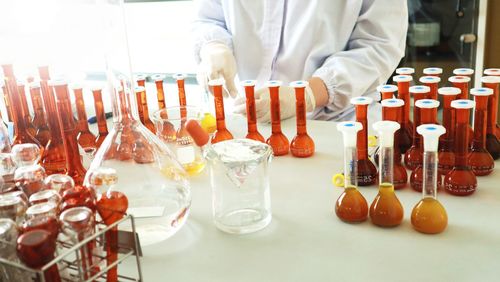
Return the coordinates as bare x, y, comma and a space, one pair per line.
68, 260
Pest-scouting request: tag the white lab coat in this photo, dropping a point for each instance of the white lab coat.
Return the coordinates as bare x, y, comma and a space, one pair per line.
352, 45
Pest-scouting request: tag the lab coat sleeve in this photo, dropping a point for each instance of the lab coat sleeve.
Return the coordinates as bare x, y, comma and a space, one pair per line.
209, 25
376, 46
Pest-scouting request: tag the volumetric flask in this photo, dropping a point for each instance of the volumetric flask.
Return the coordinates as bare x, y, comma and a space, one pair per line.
239, 174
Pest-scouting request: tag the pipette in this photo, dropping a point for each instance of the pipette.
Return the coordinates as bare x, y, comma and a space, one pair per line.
446, 152
387, 91
302, 144
391, 110
278, 141
403, 82
222, 133
428, 115
480, 159
351, 206
433, 83
461, 181
428, 215
253, 133
367, 172
386, 210
413, 156
492, 143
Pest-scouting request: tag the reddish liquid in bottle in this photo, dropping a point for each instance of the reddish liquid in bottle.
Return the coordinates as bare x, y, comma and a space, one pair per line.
35, 249
351, 206
446, 154
480, 159
100, 116
142, 106
253, 133
302, 144
112, 206
222, 133
464, 94
367, 172
7, 103
386, 210
85, 138
48, 223
78, 196
406, 125
414, 155
429, 216
461, 181
278, 141
42, 129
26, 110
160, 94
492, 143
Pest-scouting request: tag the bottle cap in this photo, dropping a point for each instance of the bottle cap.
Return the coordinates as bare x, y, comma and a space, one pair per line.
248, 82
405, 70
429, 79
490, 79
449, 91
387, 88
138, 89
431, 133
299, 84
433, 70
427, 103
361, 100
75, 85
158, 77
140, 76
199, 135
419, 89
463, 104
386, 130
97, 87
349, 130
33, 85
273, 83
392, 103
216, 82
483, 91
402, 78
463, 71
459, 79
179, 76
494, 72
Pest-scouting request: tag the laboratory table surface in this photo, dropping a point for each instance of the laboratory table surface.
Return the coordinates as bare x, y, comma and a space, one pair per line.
305, 240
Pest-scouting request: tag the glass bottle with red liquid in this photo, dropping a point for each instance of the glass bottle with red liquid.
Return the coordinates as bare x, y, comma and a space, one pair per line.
302, 144
85, 138
405, 71
21, 133
367, 172
54, 158
461, 180
391, 110
25, 107
428, 115
112, 206
492, 143
387, 91
142, 107
222, 133
42, 129
141, 80
462, 83
36, 248
160, 93
446, 152
433, 71
73, 158
403, 82
480, 159
100, 116
433, 83
278, 141
351, 206
413, 157
42, 216
253, 132
494, 72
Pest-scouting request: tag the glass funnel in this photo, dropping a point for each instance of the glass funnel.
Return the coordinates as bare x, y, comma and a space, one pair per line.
148, 172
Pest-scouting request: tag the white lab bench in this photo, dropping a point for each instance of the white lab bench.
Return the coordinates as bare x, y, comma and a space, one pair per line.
307, 242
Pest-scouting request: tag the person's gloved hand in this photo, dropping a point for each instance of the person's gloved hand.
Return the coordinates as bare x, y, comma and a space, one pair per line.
217, 61
287, 103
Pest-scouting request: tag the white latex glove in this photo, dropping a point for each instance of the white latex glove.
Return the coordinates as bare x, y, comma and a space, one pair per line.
287, 103
217, 61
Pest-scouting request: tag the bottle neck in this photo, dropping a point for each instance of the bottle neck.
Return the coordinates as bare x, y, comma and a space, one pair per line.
251, 112
99, 112
362, 140
350, 167
386, 165
480, 122
492, 107
182, 92
430, 174
300, 109
160, 95
461, 137
404, 94
80, 110
219, 107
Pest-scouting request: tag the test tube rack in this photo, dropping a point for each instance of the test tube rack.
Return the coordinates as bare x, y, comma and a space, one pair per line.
68, 258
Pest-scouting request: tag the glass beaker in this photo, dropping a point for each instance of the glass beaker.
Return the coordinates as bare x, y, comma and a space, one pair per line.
170, 127
239, 176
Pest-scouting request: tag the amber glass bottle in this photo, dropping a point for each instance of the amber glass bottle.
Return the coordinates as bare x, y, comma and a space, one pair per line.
85, 138
39, 121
